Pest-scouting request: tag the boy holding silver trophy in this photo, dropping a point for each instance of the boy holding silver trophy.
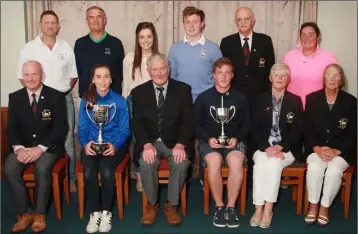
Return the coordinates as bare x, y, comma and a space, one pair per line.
103, 129
222, 118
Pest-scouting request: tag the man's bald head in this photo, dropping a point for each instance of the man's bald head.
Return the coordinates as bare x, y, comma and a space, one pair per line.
245, 20
32, 74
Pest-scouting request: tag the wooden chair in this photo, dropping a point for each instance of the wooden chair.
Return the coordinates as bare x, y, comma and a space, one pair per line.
59, 175
345, 191
121, 184
163, 174
296, 173
225, 174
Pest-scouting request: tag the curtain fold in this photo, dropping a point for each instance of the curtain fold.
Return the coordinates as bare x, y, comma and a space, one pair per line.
33, 11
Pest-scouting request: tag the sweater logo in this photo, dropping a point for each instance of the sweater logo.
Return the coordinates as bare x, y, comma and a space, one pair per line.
107, 51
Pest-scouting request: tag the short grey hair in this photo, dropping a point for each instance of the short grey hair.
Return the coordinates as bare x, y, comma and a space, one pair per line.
280, 66
35, 62
157, 56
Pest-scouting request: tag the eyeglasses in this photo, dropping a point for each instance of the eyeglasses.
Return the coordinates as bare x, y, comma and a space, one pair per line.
334, 75
245, 20
283, 76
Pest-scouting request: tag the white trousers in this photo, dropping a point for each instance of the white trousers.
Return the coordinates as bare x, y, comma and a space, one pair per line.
332, 172
267, 176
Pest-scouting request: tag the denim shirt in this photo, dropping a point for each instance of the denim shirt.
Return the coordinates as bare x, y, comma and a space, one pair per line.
275, 135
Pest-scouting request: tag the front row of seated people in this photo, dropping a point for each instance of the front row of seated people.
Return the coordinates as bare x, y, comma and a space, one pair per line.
164, 126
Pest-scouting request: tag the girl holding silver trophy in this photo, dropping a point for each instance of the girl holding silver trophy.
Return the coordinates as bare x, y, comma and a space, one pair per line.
103, 129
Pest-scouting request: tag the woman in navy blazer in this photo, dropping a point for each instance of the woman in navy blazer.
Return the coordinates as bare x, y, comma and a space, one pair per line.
330, 141
277, 124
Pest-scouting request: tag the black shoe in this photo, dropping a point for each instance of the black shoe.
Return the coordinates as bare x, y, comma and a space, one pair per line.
219, 217
232, 220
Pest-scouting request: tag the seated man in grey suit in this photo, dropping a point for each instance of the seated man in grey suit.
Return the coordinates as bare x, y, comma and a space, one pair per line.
163, 124
36, 131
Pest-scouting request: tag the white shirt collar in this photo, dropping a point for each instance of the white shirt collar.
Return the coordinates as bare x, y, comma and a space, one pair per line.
38, 92
164, 86
201, 40
39, 40
249, 36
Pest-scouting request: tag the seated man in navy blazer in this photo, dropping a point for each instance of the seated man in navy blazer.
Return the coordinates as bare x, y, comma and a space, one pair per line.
163, 124
36, 132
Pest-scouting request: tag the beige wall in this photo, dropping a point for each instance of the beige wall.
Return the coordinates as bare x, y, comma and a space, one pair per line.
336, 19
12, 40
338, 23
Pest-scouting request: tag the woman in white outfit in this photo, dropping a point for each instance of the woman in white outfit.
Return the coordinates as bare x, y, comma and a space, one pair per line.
135, 72
277, 124
330, 140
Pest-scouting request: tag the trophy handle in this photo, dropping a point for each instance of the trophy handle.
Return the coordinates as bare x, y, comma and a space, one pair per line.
233, 114
115, 110
211, 107
90, 104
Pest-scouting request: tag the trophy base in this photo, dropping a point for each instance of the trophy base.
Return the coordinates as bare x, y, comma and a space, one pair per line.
223, 140
99, 148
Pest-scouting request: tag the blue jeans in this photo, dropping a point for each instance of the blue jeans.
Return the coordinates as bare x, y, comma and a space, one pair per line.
70, 141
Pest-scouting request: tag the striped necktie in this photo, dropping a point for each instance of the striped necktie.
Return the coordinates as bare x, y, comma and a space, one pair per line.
246, 51
34, 104
160, 110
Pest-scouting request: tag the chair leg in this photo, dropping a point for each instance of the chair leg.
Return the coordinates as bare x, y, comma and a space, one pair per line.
206, 192
56, 195
300, 193
119, 188
342, 193
144, 202
126, 186
66, 188
183, 200
306, 201
31, 194
243, 193
294, 192
347, 193
81, 198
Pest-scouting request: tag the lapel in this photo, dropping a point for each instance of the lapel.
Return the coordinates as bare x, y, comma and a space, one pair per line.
285, 108
268, 108
41, 102
151, 94
253, 51
26, 106
168, 97
239, 46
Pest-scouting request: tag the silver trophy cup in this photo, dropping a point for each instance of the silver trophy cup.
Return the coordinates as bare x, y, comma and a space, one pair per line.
222, 116
100, 117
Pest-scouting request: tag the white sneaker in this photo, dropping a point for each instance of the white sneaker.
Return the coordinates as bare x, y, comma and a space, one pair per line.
93, 224
106, 221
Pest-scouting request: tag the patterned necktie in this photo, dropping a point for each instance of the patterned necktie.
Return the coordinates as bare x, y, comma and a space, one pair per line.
34, 104
246, 51
160, 110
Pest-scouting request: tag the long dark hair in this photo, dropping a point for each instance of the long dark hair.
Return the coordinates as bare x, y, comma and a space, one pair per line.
90, 94
137, 62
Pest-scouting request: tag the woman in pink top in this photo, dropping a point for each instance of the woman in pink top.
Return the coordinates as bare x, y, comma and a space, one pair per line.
307, 62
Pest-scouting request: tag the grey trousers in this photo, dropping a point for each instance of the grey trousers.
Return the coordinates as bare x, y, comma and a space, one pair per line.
177, 176
43, 182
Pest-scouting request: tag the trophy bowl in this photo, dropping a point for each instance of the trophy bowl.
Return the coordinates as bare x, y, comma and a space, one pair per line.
100, 117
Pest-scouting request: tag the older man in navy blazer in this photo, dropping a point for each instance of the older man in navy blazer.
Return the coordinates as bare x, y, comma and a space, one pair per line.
36, 131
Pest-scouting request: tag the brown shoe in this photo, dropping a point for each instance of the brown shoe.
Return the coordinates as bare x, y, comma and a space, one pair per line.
172, 215
39, 224
149, 215
23, 222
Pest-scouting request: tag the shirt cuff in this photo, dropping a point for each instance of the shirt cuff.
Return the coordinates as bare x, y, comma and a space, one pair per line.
44, 148
16, 147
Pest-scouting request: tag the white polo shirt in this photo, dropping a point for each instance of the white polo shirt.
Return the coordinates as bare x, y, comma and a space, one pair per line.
59, 64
